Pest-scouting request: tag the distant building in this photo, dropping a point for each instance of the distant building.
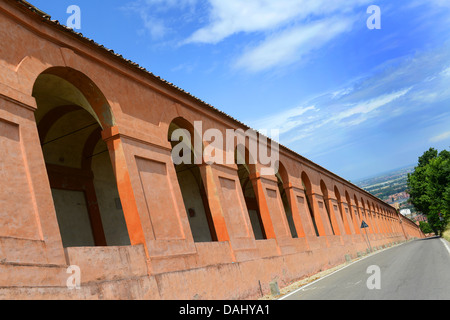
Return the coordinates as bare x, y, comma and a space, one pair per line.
405, 212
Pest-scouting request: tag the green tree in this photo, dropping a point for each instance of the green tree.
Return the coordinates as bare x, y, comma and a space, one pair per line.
429, 188
425, 227
417, 186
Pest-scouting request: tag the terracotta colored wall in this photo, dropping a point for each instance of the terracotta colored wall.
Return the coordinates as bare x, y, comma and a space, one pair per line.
135, 110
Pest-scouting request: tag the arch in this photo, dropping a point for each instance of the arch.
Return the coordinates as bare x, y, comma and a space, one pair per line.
283, 179
282, 173
369, 217
244, 157
349, 203
353, 213
356, 200
375, 218
183, 123
358, 213
78, 89
71, 114
378, 218
324, 190
245, 169
337, 194
341, 210
363, 213
52, 117
308, 192
177, 141
191, 184
363, 203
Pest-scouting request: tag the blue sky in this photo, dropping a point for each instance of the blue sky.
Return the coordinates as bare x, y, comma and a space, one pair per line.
355, 101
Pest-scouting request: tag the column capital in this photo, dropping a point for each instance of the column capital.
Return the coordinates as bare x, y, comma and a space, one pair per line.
111, 133
287, 186
255, 176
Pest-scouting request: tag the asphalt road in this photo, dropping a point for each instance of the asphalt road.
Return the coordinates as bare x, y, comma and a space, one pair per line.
417, 270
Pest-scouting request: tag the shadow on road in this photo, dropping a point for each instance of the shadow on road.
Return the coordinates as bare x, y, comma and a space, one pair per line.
429, 238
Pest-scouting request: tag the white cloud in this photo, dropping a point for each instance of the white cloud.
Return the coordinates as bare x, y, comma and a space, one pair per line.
292, 45
342, 92
291, 28
445, 72
303, 125
441, 137
285, 121
235, 16
362, 111
288, 30
412, 90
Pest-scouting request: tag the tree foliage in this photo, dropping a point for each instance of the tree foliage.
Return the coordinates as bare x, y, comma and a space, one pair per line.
425, 227
429, 188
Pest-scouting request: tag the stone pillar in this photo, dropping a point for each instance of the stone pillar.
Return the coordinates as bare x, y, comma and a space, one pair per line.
288, 188
345, 221
27, 210
332, 206
319, 213
130, 211
349, 216
262, 204
214, 202
356, 214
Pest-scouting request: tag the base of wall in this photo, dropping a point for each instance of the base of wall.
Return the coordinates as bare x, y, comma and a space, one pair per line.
121, 273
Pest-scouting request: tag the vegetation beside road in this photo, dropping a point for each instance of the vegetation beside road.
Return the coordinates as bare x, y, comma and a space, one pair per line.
429, 188
446, 233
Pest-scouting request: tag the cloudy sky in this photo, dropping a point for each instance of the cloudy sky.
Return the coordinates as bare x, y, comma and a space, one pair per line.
354, 100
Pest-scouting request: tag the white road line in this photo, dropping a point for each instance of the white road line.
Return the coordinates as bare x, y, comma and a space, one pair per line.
446, 245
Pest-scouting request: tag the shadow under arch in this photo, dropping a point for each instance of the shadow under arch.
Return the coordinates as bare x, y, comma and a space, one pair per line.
70, 116
363, 213
283, 179
369, 216
246, 168
325, 195
98, 106
182, 136
308, 192
341, 210
358, 212
353, 213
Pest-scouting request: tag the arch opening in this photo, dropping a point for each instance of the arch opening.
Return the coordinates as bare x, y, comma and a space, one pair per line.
337, 194
81, 176
308, 192
324, 190
281, 176
245, 168
191, 183
352, 214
